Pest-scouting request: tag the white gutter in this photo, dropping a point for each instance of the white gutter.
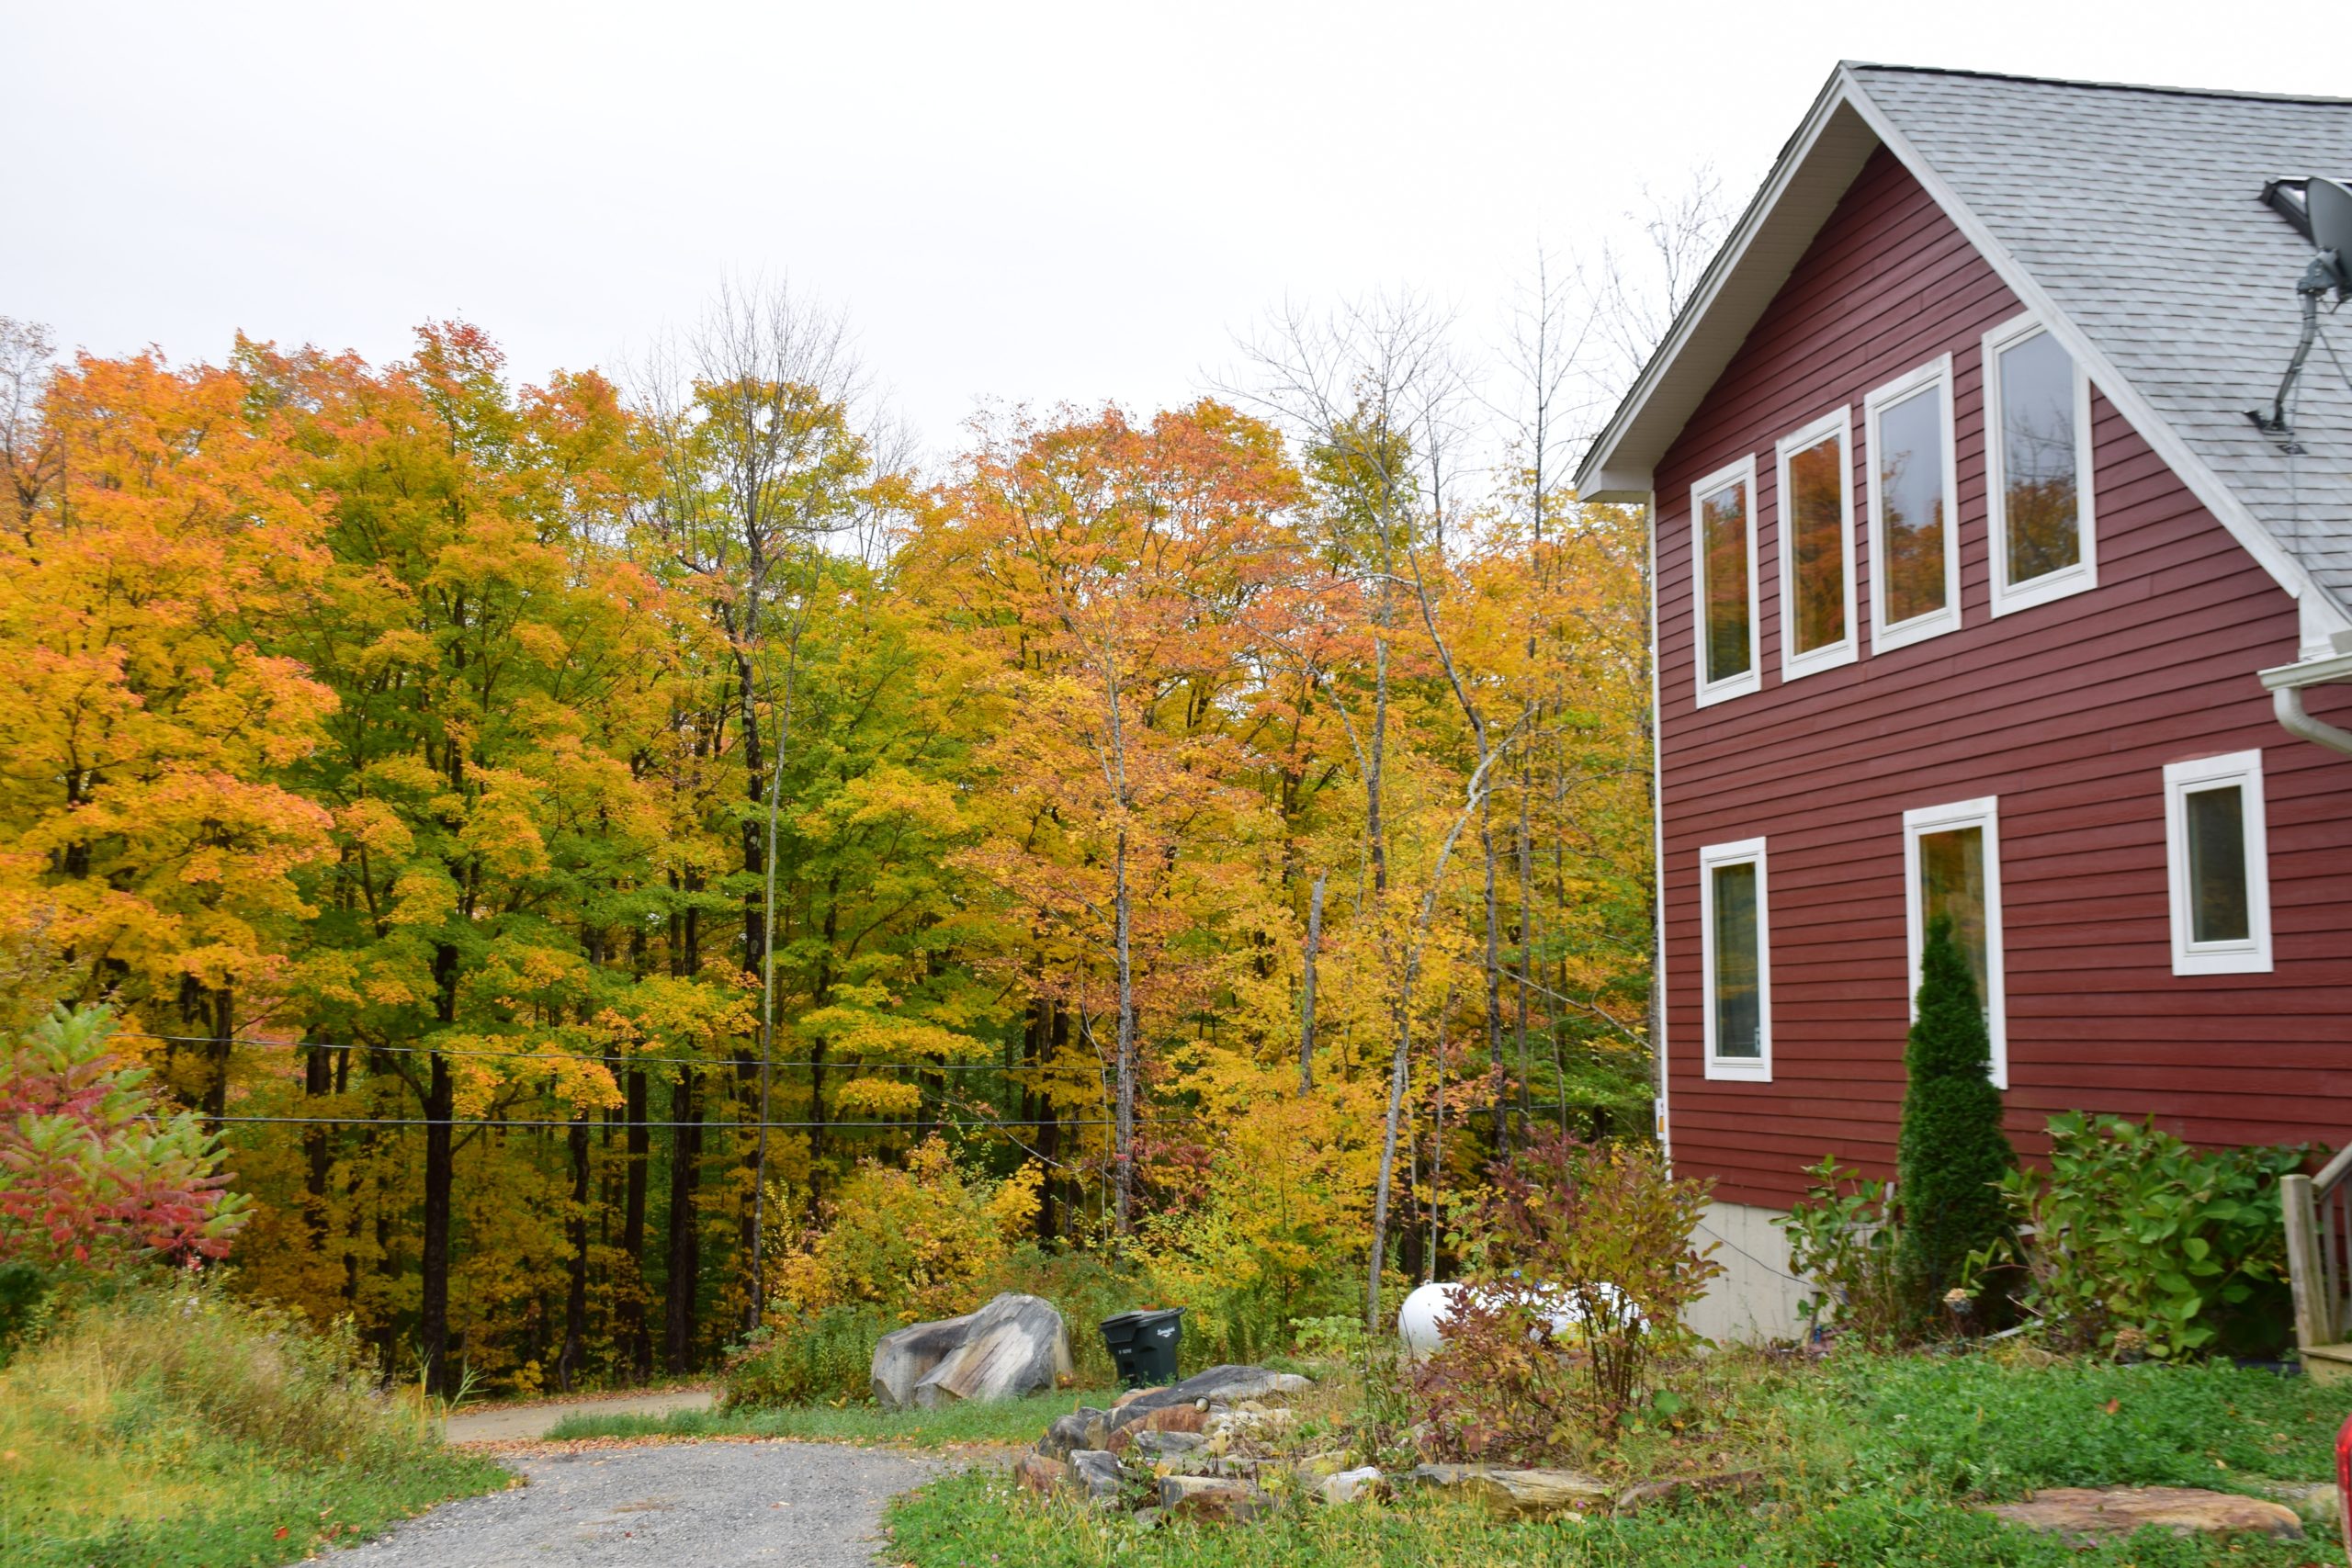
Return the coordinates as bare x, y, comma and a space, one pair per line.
2287, 683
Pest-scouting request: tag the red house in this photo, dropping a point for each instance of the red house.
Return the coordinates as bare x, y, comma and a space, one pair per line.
1980, 593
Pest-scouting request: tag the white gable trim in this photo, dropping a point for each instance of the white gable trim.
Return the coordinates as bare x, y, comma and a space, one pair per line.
2153, 428
1806, 185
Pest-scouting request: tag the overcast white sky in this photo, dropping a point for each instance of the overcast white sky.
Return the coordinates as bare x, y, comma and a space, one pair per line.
1032, 201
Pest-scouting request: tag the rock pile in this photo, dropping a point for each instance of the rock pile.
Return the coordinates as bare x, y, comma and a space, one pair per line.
1203, 1449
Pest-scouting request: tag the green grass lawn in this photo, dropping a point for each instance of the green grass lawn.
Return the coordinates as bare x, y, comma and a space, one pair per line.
1868, 1460
1013, 1421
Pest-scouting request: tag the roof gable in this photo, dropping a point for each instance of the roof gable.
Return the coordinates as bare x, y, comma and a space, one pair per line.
2130, 221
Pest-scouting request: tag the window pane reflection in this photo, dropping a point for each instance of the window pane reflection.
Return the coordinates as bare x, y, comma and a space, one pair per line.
1952, 884
2038, 467
1722, 526
1738, 1015
2217, 890
1817, 543
1911, 503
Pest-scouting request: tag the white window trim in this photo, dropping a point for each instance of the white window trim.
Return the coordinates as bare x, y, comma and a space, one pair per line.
1792, 663
1935, 623
1752, 678
1758, 1067
2251, 956
1984, 813
2081, 577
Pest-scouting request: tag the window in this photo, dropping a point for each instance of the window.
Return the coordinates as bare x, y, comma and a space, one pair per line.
1815, 486
1738, 962
2220, 860
1951, 860
1723, 555
2037, 468
1914, 556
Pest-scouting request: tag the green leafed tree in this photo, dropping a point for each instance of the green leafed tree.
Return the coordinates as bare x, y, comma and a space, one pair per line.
1952, 1153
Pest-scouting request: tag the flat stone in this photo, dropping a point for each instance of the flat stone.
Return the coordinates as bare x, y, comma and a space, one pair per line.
1043, 1476
1096, 1473
1518, 1494
2086, 1514
1359, 1485
1131, 1395
905, 1358
1656, 1494
1084, 1427
1226, 1385
1168, 1445
1211, 1499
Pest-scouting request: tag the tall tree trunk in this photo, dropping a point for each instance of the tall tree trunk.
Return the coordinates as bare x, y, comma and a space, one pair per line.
685, 1244
1125, 1153
575, 1305
637, 1339
1494, 982
1306, 988
440, 1173
1397, 1074
221, 1028
318, 1082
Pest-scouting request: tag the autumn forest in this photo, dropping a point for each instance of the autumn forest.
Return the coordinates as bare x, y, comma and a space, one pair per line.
565, 838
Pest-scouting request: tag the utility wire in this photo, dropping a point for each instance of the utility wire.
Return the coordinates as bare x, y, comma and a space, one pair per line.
552, 1055
717, 1124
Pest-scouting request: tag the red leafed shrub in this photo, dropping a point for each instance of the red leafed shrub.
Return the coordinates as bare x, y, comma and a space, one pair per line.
93, 1168
1582, 1264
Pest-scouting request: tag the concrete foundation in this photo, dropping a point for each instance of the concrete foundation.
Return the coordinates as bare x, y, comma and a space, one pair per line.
1754, 1298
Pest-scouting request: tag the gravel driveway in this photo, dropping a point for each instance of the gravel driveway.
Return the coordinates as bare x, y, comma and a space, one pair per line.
676, 1504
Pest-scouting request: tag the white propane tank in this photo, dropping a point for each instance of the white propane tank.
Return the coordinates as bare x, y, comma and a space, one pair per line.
1420, 1321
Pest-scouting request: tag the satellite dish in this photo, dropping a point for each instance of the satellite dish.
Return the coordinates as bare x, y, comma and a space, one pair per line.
2327, 209
2329, 202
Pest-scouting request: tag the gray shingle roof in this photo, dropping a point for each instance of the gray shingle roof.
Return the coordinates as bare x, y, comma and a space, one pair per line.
2139, 210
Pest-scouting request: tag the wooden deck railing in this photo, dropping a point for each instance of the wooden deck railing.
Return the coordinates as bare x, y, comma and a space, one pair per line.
2319, 1248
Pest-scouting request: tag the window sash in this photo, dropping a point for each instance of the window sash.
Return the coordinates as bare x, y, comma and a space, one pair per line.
1723, 578
2218, 864
2016, 585
1920, 403
1735, 920
1817, 545
1951, 862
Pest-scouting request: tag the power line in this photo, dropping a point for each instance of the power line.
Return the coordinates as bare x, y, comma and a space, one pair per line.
719, 1124
553, 1055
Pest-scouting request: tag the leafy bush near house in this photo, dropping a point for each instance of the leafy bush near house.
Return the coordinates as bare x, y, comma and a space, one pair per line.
1600, 1231
1845, 1238
2135, 1240
1950, 1155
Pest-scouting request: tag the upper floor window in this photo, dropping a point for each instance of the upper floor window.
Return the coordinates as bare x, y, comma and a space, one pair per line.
1722, 556
2219, 858
1914, 554
2038, 467
1817, 545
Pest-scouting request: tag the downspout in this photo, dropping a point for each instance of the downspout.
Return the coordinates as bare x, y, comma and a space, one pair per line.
2287, 683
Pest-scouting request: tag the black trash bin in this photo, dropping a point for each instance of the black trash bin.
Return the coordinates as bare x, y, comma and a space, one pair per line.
1143, 1345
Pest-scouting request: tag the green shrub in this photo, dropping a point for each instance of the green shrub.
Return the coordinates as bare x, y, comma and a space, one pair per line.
1845, 1237
1950, 1155
1085, 1286
2136, 1240
806, 1358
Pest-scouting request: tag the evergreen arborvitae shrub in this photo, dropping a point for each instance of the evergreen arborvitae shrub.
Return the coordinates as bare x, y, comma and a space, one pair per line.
1952, 1153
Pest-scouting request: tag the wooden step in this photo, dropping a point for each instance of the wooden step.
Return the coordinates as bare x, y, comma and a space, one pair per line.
2328, 1363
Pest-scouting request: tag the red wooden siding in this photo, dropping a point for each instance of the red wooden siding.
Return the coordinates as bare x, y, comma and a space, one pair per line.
2067, 712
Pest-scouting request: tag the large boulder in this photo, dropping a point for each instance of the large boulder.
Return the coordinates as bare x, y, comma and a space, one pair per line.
1013, 1346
